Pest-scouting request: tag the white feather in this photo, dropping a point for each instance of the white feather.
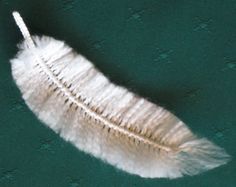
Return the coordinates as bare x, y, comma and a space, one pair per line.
73, 98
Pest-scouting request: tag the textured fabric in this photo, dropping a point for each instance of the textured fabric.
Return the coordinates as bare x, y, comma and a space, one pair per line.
180, 54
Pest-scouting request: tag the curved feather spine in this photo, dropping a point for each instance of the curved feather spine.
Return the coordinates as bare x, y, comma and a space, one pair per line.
175, 147
70, 96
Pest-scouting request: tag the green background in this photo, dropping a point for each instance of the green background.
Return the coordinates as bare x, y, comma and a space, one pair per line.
180, 54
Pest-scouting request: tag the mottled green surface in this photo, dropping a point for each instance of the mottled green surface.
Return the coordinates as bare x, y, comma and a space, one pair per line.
181, 54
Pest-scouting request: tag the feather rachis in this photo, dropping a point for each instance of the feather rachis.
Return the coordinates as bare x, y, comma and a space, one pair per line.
68, 93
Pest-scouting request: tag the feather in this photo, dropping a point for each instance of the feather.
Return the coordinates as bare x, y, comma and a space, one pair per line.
73, 98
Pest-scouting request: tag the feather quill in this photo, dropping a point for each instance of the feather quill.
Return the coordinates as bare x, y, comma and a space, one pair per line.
77, 101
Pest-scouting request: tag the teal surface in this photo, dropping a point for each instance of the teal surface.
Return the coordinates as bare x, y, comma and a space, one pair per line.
180, 54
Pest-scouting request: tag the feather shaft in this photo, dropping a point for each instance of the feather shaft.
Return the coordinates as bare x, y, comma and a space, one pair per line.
77, 101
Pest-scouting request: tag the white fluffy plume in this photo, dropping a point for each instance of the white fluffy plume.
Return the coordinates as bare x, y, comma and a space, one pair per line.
73, 98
